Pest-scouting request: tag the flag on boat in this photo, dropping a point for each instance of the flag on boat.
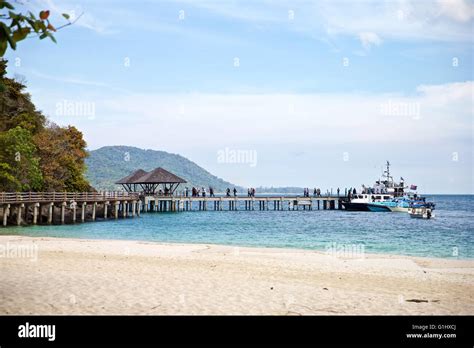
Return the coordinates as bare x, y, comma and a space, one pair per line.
413, 187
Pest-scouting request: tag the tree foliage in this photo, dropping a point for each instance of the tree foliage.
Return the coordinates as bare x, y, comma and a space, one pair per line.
19, 163
16, 107
36, 155
16, 26
67, 148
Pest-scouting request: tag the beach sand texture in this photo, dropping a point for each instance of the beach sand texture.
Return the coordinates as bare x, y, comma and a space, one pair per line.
74, 276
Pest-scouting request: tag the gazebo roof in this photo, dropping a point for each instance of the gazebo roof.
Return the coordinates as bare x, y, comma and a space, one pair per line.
129, 179
158, 176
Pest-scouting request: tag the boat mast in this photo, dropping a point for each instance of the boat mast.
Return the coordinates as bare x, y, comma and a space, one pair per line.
387, 175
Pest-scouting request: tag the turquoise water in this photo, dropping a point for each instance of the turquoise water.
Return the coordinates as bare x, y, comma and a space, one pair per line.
449, 235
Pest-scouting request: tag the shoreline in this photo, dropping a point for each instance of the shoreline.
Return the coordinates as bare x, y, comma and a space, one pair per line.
97, 276
320, 251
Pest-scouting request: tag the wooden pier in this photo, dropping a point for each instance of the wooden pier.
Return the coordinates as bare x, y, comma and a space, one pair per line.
23, 208
218, 203
64, 207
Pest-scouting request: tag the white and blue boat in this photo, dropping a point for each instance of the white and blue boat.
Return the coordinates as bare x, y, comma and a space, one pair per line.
384, 196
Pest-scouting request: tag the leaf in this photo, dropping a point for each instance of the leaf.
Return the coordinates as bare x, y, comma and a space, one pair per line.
43, 36
32, 23
3, 48
7, 32
52, 37
44, 15
41, 25
15, 22
13, 15
20, 34
65, 15
4, 4
50, 27
5, 29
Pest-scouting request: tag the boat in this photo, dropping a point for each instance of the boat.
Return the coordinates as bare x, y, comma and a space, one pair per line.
397, 204
421, 210
385, 195
366, 202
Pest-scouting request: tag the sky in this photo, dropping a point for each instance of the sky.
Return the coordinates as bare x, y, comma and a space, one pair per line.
268, 93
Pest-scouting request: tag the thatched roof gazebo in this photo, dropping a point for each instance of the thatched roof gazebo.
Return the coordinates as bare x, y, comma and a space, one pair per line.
150, 182
129, 180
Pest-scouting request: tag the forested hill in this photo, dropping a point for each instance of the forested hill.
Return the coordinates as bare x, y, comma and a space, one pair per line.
110, 163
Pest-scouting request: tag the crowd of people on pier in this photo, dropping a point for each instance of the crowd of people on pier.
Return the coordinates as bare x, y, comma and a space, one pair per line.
202, 192
210, 192
165, 192
199, 192
317, 192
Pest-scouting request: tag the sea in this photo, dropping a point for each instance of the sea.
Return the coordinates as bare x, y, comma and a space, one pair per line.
449, 235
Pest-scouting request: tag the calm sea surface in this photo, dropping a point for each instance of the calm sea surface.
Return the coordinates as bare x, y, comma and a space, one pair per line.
449, 235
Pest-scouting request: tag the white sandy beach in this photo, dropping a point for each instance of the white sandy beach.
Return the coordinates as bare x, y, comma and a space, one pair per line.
74, 276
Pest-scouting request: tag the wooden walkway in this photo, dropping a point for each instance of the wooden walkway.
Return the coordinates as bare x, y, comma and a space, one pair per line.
21, 208
181, 203
27, 197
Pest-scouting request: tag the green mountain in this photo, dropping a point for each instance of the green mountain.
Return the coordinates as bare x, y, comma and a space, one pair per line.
111, 163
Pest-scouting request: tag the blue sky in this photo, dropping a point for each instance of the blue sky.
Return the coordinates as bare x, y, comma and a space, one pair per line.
319, 90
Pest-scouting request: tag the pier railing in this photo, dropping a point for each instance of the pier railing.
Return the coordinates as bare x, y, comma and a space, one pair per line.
246, 197
35, 197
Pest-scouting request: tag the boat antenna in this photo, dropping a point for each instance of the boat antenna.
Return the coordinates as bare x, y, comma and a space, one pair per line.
387, 173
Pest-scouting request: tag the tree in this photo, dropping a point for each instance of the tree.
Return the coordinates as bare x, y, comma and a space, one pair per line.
19, 163
62, 152
34, 154
15, 105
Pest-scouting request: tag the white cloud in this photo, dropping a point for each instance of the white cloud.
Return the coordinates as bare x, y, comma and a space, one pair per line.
214, 120
66, 79
276, 125
253, 11
445, 20
458, 10
449, 93
368, 39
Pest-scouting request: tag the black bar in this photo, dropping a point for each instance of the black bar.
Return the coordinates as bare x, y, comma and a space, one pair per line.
291, 331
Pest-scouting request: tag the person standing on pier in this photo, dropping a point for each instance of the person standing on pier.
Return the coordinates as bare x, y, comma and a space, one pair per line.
338, 191
227, 192
203, 192
211, 192
186, 192
235, 192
